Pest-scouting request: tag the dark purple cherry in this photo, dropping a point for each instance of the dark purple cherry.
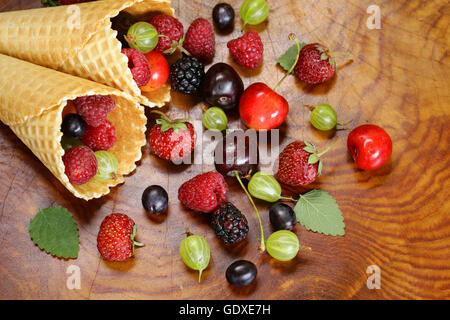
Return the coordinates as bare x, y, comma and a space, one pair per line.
222, 86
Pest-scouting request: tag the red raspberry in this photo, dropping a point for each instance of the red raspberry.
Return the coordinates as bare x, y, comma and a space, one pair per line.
80, 164
102, 137
168, 26
247, 50
314, 65
138, 65
204, 193
94, 109
200, 41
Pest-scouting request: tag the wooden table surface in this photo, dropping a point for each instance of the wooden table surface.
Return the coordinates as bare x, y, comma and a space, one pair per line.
396, 217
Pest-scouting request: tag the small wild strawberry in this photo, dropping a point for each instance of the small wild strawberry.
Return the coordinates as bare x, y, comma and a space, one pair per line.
172, 140
115, 240
299, 164
316, 64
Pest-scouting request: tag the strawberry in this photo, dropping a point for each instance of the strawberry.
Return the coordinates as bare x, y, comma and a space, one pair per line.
200, 41
115, 240
247, 50
94, 109
204, 193
299, 164
171, 31
80, 164
102, 137
172, 140
315, 64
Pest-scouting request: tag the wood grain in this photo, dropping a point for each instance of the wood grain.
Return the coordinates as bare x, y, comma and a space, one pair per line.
396, 217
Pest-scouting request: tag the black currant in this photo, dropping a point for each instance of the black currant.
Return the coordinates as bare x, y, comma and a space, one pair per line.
241, 273
155, 199
223, 17
282, 217
73, 126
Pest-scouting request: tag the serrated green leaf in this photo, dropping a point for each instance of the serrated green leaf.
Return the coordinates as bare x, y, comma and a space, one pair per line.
288, 58
318, 211
55, 231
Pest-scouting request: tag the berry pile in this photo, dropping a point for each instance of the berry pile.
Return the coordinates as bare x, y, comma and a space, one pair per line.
260, 107
87, 136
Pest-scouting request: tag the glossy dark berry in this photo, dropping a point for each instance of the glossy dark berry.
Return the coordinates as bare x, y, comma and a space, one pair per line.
186, 75
282, 217
155, 199
223, 17
236, 153
222, 86
241, 273
73, 126
229, 224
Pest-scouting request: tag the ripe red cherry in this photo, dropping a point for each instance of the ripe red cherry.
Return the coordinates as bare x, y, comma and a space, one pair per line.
370, 146
261, 108
159, 69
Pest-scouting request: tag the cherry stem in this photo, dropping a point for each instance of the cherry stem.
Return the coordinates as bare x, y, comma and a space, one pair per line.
291, 37
161, 114
262, 246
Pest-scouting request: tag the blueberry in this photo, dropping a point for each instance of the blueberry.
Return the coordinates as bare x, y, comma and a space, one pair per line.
73, 126
282, 217
223, 17
241, 273
155, 199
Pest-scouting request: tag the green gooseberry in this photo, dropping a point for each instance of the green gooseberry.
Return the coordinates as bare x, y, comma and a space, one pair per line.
107, 165
143, 37
265, 187
254, 11
215, 119
195, 253
283, 245
323, 117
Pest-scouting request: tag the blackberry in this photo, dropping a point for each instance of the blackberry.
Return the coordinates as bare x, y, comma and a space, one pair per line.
187, 75
229, 224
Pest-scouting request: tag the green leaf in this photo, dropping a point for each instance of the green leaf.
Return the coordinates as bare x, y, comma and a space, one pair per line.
288, 58
55, 231
318, 211
319, 169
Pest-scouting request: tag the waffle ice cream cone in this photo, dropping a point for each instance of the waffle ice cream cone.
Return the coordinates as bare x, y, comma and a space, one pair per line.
32, 100
79, 40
